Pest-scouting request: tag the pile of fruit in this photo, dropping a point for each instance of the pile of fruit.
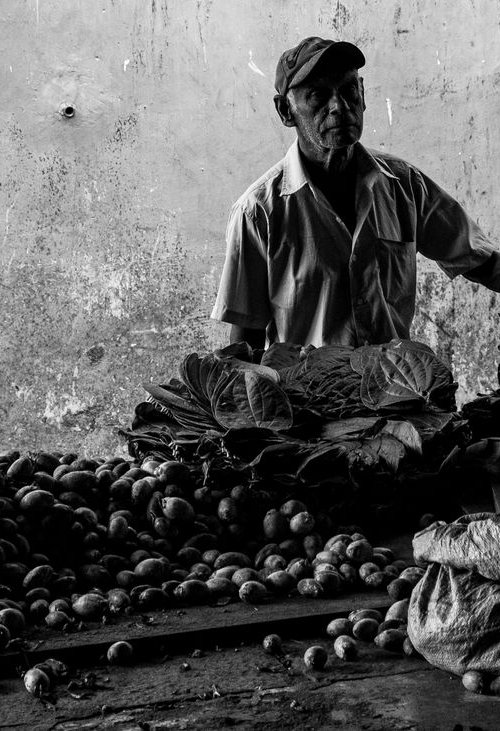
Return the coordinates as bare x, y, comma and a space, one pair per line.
83, 538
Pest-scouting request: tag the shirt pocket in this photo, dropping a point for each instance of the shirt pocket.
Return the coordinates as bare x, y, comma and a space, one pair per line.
397, 267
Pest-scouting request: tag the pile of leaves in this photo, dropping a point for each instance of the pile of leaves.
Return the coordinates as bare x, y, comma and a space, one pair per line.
372, 405
350, 420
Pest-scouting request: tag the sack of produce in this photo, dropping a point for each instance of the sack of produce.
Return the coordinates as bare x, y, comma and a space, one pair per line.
454, 613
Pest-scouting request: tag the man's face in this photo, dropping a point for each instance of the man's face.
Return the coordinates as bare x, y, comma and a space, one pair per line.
327, 110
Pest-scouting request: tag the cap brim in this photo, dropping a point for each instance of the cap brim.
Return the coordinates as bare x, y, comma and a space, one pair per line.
341, 51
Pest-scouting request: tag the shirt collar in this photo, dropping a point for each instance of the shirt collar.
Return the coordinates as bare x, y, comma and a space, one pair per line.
295, 176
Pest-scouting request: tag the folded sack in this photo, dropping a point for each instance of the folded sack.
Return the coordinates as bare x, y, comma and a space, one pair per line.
454, 612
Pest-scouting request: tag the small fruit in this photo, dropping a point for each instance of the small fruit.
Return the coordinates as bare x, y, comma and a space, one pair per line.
120, 653
359, 552
272, 644
474, 681
399, 589
36, 682
315, 657
192, 591
391, 640
90, 606
310, 587
413, 574
339, 626
302, 524
398, 610
291, 508
275, 525
358, 614
345, 647
365, 629
177, 509
280, 582
366, 569
378, 580
13, 619
494, 688
252, 592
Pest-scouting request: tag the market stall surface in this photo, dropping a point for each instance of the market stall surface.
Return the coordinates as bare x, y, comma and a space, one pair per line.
205, 669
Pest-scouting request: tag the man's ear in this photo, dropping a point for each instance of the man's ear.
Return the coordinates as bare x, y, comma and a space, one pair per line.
362, 92
282, 104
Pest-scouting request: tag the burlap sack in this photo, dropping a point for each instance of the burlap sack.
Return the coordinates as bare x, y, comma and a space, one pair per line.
454, 613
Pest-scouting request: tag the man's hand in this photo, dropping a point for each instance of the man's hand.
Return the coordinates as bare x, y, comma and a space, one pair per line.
255, 338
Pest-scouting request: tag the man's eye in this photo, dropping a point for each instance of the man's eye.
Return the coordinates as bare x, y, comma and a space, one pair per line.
351, 91
317, 95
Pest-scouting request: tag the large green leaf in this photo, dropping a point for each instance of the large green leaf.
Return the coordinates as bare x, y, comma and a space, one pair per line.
281, 355
402, 376
352, 427
252, 399
186, 412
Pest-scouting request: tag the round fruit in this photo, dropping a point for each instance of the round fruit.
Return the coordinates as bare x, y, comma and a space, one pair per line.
177, 509
345, 647
359, 552
36, 682
338, 627
90, 606
252, 592
291, 508
365, 629
272, 645
474, 681
315, 657
398, 610
310, 587
391, 639
302, 524
120, 653
13, 619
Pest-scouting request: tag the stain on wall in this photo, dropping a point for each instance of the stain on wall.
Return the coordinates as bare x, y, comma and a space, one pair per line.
112, 219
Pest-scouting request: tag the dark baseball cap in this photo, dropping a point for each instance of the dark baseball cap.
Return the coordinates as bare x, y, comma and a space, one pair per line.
296, 64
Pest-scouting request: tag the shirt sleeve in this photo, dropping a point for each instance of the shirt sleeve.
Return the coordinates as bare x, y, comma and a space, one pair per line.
446, 234
243, 297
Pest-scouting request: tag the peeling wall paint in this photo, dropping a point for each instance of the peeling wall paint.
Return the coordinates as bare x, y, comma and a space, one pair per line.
112, 220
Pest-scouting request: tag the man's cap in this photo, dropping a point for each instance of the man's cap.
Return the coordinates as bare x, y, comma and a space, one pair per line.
296, 64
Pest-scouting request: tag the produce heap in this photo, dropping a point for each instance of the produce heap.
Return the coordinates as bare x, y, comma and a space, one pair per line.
250, 477
359, 431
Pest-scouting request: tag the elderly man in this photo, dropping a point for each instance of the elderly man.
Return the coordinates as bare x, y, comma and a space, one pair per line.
322, 248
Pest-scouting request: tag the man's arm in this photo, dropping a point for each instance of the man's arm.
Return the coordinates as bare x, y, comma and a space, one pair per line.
450, 237
255, 338
243, 299
488, 273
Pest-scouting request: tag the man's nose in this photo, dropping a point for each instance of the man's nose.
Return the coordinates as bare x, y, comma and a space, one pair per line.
336, 103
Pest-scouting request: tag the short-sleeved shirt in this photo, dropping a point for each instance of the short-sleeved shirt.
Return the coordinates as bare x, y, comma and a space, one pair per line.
293, 268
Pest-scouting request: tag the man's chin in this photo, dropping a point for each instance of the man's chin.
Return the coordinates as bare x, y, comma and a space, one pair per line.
335, 139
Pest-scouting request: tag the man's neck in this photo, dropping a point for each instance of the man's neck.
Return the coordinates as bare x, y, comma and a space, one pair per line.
331, 168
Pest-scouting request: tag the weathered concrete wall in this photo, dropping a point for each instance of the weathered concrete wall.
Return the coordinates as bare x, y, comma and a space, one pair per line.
113, 218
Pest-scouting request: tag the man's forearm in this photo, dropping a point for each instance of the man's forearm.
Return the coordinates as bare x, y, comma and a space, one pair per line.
255, 338
488, 273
